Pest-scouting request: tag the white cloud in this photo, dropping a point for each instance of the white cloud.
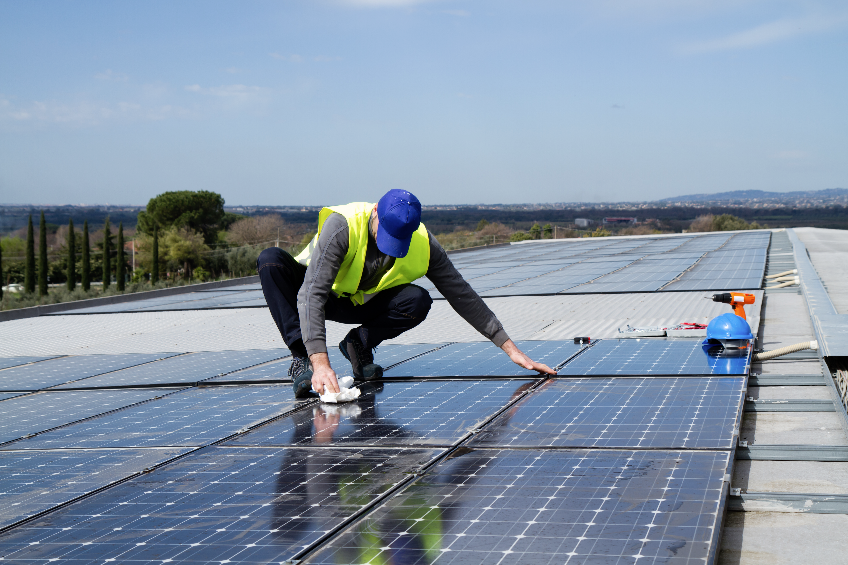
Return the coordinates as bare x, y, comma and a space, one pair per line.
112, 76
771, 32
83, 113
239, 94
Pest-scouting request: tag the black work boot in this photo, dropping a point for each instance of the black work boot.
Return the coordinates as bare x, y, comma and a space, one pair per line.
300, 371
360, 356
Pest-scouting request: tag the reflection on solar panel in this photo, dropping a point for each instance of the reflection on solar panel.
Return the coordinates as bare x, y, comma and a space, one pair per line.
6, 362
393, 413
245, 505
5, 395
187, 301
655, 356
655, 413
482, 359
34, 413
184, 369
29, 485
192, 417
65, 369
547, 507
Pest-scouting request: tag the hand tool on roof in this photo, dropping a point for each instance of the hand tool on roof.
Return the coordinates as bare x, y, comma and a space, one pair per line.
737, 300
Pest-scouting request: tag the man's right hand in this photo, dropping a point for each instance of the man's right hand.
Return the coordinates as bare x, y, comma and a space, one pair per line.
323, 376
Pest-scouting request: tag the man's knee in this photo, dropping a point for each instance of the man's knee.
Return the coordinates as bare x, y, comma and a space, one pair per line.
272, 256
414, 302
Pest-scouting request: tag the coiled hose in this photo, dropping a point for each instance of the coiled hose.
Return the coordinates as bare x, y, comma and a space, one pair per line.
766, 355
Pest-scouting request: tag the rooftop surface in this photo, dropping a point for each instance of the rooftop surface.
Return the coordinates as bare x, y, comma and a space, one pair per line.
165, 429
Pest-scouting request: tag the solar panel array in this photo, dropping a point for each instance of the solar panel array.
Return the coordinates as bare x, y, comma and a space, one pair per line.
457, 455
712, 261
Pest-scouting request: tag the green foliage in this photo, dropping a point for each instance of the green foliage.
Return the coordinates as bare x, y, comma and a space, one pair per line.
154, 259
482, 224
520, 236
120, 264
229, 219
241, 261
727, 222
535, 231
29, 274
43, 266
86, 260
200, 211
176, 250
72, 257
200, 275
106, 249
138, 276
600, 232
1, 272
547, 231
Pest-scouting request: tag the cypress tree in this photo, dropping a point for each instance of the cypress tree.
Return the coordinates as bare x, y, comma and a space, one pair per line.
29, 272
43, 266
107, 259
119, 267
154, 275
72, 256
86, 259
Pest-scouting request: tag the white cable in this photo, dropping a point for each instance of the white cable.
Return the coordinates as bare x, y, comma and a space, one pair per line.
766, 355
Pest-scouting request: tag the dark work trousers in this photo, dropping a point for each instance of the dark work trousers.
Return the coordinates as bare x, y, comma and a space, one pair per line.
388, 314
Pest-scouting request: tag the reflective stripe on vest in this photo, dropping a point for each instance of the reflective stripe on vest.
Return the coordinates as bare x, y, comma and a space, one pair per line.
403, 271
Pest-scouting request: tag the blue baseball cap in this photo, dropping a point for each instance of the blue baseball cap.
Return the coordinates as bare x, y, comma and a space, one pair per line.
399, 213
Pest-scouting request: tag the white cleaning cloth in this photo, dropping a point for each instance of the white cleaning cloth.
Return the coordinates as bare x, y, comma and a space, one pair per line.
347, 392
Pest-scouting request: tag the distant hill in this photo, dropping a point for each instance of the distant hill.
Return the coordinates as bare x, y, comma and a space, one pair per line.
760, 195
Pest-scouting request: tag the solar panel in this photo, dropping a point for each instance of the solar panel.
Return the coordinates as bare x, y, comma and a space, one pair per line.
5, 395
655, 356
183, 369
6, 362
418, 413
612, 287
35, 481
34, 413
483, 359
547, 507
637, 413
192, 417
248, 505
65, 369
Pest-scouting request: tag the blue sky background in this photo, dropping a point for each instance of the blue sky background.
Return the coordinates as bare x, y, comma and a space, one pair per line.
477, 101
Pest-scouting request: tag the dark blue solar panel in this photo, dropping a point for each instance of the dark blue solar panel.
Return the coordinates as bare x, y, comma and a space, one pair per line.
184, 369
247, 505
33, 413
638, 413
6, 362
393, 414
66, 369
522, 507
192, 417
5, 395
482, 359
35, 481
655, 356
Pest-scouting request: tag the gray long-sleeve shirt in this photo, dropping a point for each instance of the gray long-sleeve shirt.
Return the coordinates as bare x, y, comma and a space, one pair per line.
327, 258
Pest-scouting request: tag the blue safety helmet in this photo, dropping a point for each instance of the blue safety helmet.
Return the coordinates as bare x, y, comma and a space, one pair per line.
728, 328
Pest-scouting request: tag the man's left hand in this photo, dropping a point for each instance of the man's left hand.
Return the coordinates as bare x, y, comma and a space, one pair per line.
519, 358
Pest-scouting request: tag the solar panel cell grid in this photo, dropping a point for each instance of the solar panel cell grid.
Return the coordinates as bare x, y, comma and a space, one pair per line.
66, 369
518, 507
482, 359
184, 369
655, 356
6, 362
223, 504
34, 413
29, 485
192, 417
393, 414
638, 413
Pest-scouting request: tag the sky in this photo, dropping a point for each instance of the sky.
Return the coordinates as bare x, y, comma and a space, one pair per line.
321, 102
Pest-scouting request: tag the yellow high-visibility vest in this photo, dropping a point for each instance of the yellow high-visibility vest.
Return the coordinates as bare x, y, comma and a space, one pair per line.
405, 270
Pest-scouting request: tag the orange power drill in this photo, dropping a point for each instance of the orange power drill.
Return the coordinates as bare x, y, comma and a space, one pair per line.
737, 300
